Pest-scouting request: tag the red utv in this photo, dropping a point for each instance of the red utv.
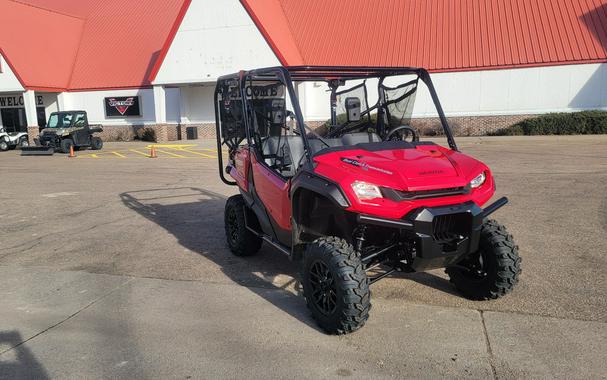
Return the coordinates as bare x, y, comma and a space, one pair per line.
359, 197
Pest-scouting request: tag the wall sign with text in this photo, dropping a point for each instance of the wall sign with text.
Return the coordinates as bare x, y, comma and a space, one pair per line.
16, 101
122, 106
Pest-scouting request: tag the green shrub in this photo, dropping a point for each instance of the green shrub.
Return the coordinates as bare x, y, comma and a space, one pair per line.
577, 123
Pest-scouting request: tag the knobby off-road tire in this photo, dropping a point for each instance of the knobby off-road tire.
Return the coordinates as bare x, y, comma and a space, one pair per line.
241, 241
336, 286
96, 143
501, 265
65, 145
4, 146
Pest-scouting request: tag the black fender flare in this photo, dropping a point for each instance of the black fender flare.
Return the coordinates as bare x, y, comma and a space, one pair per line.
318, 185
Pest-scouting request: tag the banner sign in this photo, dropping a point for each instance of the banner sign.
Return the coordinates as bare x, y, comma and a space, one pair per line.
17, 101
122, 106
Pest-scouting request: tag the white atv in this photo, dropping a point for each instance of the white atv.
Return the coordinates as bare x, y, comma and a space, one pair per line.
12, 140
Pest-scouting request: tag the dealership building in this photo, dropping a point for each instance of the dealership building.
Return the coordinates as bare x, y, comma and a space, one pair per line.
152, 63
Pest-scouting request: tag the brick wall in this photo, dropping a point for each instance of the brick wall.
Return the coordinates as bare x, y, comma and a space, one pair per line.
166, 132
205, 130
468, 125
33, 133
118, 132
461, 125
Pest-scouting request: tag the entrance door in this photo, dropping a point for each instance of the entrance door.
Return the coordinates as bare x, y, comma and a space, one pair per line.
13, 119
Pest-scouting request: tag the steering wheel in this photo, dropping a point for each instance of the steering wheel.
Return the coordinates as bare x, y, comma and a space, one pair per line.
402, 133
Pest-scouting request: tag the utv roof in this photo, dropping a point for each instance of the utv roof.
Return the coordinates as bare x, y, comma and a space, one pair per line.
336, 72
349, 72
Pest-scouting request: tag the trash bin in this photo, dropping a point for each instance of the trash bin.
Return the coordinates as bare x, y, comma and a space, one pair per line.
191, 133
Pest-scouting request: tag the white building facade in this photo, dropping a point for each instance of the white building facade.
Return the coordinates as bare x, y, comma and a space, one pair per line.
220, 37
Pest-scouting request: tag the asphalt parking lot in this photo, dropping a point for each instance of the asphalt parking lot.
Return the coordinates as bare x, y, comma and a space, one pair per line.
114, 265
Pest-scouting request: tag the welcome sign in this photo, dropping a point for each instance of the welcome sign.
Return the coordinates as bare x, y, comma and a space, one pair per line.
16, 101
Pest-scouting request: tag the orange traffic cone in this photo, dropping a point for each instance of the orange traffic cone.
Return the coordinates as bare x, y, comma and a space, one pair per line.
153, 152
72, 155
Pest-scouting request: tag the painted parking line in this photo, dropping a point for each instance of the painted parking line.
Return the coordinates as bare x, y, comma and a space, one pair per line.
170, 154
198, 153
138, 152
182, 151
173, 146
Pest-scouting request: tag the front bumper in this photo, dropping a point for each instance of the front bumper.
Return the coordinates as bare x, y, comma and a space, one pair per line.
49, 140
442, 235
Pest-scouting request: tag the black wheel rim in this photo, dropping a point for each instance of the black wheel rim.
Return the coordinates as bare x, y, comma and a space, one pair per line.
324, 292
232, 224
475, 267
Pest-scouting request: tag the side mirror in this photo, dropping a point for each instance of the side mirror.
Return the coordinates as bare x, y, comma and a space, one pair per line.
353, 109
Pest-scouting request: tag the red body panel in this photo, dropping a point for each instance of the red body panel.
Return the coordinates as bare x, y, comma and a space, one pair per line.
241, 171
273, 192
426, 167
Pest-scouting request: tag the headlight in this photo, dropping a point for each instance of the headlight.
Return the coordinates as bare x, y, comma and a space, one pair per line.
478, 181
365, 191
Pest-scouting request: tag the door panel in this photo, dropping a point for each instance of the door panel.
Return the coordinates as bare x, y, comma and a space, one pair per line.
82, 135
273, 191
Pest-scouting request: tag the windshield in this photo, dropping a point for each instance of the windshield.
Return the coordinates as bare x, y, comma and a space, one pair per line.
375, 105
60, 120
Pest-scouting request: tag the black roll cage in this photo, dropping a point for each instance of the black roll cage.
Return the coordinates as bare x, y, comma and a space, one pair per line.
330, 74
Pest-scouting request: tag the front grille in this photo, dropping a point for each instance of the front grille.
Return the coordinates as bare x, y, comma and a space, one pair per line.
398, 195
451, 226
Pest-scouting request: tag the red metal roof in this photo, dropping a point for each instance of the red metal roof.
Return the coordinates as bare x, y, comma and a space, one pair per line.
88, 44
78, 45
441, 35
29, 39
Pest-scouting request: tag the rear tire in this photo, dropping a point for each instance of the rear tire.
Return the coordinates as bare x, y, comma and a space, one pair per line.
496, 272
336, 286
241, 241
96, 143
65, 145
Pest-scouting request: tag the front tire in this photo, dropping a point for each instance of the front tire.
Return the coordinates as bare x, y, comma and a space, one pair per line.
3, 145
336, 286
493, 271
241, 241
65, 145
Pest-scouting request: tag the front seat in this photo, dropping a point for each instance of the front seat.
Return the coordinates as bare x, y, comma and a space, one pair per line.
359, 138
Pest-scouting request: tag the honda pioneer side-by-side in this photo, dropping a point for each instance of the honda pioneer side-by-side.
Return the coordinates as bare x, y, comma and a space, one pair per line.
361, 196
